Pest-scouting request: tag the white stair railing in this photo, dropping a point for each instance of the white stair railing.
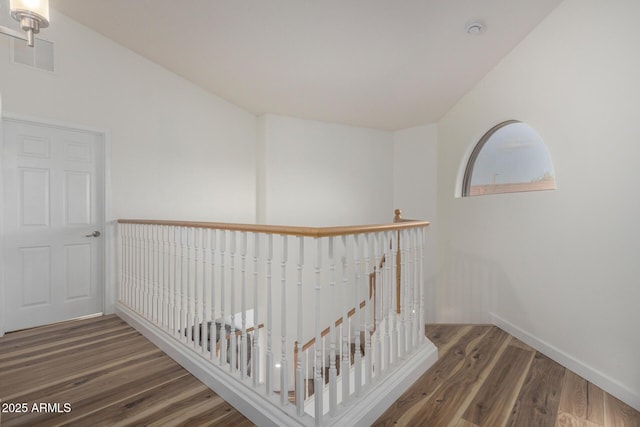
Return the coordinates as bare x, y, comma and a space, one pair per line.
352, 295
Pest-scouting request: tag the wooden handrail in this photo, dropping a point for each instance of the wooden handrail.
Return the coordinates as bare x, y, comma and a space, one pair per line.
285, 229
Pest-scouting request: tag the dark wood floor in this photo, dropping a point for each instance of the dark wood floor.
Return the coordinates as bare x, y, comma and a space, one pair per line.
112, 376
107, 373
485, 377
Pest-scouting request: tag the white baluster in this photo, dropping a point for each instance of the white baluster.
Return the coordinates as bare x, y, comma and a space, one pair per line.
345, 366
410, 283
138, 269
204, 331
284, 380
159, 278
389, 309
161, 283
145, 271
269, 376
196, 302
130, 265
133, 238
155, 275
367, 310
156, 267
124, 264
397, 298
356, 318
407, 281
148, 271
183, 283
318, 385
152, 280
222, 327
170, 281
379, 285
255, 353
402, 334
212, 328
176, 281
133, 252
142, 270
299, 374
333, 375
165, 276
423, 250
190, 328
416, 284
243, 306
233, 347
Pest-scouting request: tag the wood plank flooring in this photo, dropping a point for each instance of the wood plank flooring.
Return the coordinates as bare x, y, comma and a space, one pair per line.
486, 378
107, 374
110, 375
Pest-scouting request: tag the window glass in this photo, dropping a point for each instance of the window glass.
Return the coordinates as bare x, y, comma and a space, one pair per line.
510, 158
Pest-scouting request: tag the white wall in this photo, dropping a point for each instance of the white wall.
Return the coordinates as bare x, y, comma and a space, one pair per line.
323, 174
177, 151
415, 191
559, 268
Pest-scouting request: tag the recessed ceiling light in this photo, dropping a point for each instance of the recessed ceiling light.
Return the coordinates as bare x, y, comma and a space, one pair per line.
475, 28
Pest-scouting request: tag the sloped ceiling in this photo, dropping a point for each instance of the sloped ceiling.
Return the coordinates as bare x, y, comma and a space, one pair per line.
375, 63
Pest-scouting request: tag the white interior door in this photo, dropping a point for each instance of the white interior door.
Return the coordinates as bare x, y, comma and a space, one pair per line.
53, 223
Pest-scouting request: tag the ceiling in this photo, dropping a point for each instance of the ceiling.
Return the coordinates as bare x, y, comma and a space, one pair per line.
376, 63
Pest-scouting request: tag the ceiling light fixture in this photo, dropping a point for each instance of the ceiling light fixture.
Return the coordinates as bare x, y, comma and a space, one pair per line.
475, 28
32, 15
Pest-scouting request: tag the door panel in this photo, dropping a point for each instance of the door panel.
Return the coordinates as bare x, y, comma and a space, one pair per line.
53, 193
36, 286
78, 198
34, 200
78, 270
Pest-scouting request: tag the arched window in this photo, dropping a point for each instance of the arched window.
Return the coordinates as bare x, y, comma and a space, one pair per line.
510, 158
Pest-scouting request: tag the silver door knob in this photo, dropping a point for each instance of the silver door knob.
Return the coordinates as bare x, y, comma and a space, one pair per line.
94, 234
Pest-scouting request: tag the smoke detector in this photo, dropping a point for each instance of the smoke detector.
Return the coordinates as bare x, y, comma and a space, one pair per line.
475, 28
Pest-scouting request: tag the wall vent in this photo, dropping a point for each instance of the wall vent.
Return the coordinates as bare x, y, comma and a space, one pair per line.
40, 56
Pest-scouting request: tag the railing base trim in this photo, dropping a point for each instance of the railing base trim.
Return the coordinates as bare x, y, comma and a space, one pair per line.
266, 412
376, 400
258, 409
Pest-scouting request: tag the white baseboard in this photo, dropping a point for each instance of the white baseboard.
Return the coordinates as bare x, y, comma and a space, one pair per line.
605, 382
265, 411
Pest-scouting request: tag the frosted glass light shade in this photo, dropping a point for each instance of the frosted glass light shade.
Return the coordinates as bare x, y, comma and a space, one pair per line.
35, 9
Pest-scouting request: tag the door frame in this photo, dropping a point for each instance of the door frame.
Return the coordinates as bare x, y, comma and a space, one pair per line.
109, 249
